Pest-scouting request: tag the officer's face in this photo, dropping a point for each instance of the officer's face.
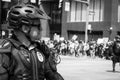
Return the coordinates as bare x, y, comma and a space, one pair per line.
34, 32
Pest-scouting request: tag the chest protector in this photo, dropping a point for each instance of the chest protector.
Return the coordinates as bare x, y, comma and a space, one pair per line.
29, 65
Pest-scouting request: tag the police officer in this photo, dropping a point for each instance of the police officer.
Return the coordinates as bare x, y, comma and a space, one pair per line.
22, 57
115, 51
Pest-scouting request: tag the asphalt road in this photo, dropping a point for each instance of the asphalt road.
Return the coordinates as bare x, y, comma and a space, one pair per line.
72, 68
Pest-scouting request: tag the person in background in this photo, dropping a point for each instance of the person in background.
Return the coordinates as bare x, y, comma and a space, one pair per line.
115, 51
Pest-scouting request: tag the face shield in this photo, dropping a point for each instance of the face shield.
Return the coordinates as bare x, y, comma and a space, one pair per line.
26, 18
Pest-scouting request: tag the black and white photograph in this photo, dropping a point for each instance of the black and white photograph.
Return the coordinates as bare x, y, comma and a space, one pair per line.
59, 39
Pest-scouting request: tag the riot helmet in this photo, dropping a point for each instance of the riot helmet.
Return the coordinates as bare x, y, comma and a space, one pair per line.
26, 17
25, 14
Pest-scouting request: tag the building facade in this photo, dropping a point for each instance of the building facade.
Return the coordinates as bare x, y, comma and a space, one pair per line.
104, 19
70, 18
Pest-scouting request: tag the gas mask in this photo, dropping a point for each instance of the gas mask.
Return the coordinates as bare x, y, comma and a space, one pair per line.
32, 32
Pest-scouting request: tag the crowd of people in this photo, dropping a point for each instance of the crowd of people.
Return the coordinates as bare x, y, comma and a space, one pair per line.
79, 48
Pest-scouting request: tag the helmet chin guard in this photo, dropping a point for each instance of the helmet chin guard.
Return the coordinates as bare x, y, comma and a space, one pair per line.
25, 14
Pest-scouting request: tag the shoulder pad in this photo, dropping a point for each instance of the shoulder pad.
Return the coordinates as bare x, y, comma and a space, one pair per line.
5, 46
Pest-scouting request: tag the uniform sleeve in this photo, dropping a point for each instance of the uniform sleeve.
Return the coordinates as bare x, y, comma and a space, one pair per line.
4, 66
4, 58
44, 48
50, 75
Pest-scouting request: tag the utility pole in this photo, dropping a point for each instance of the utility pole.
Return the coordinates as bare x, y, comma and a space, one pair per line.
87, 22
87, 2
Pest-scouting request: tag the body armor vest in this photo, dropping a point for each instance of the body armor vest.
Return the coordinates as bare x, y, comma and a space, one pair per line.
25, 64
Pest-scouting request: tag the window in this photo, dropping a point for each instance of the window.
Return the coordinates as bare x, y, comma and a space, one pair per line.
119, 11
77, 11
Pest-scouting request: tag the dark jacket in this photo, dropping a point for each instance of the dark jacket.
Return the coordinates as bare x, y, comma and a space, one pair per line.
19, 63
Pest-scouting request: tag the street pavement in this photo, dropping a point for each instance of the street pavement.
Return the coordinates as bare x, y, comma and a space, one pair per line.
84, 68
